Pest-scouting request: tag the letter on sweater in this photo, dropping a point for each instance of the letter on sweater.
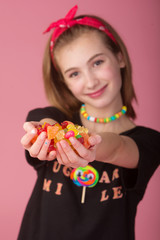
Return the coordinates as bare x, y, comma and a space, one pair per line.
117, 192
104, 178
46, 185
104, 197
59, 188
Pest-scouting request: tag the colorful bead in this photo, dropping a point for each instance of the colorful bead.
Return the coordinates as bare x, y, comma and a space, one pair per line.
107, 120
102, 120
85, 115
92, 118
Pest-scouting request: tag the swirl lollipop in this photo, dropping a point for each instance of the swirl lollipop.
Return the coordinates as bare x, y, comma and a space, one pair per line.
84, 177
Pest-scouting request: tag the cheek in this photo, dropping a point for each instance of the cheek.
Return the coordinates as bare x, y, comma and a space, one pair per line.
112, 74
75, 88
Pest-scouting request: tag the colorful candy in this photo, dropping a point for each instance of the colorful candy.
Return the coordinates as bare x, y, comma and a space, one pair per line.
69, 134
63, 131
52, 131
84, 177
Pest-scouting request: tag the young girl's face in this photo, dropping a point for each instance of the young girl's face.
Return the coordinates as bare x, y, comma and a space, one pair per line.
91, 71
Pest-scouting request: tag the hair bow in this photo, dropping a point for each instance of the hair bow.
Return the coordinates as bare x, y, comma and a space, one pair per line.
63, 24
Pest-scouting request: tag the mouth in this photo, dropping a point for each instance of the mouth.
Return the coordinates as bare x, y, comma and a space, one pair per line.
97, 93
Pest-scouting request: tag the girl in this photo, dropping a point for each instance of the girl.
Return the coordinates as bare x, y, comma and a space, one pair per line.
86, 62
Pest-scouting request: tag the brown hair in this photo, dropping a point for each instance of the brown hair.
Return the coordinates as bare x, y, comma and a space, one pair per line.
57, 91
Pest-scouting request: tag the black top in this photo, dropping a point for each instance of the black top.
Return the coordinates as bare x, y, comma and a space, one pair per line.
55, 210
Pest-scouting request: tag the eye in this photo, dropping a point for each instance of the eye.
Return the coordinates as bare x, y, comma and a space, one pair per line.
98, 62
79, 173
90, 176
74, 74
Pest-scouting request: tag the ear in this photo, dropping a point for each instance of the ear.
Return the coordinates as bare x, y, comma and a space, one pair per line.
121, 60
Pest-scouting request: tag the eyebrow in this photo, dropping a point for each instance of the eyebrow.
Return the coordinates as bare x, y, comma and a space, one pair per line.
96, 55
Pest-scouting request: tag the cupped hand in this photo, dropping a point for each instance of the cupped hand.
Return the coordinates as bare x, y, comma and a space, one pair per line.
79, 158
39, 149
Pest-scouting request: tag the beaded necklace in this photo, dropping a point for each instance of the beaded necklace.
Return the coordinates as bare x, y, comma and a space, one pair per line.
102, 120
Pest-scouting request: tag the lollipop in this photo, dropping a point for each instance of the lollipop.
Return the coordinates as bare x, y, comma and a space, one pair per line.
63, 131
84, 177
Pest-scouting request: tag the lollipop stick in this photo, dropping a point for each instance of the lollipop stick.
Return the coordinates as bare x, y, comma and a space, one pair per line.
83, 195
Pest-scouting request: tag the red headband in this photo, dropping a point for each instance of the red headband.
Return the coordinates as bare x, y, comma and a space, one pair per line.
69, 21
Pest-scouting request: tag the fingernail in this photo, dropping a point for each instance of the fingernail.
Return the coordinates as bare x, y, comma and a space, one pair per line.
42, 135
33, 131
52, 153
92, 141
72, 140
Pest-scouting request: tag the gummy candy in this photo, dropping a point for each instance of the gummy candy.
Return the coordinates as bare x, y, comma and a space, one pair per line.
52, 131
60, 135
85, 137
65, 130
81, 140
51, 146
65, 123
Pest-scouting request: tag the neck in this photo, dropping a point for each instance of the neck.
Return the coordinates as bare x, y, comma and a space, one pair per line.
106, 111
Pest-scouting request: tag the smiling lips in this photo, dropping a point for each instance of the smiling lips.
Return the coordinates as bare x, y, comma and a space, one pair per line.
97, 93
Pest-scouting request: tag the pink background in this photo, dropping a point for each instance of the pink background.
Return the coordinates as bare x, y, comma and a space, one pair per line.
21, 49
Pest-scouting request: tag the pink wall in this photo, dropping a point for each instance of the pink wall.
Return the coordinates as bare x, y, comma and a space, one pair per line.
21, 50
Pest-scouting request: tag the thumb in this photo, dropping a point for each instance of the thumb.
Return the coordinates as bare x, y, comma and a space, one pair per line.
30, 127
94, 139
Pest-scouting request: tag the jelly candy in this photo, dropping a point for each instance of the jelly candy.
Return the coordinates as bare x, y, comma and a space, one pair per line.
60, 135
52, 131
51, 146
69, 134
65, 123
81, 140
85, 137
65, 130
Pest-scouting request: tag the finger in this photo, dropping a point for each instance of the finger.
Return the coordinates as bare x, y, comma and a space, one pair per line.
43, 153
82, 151
36, 147
51, 156
61, 147
26, 140
59, 159
69, 164
73, 157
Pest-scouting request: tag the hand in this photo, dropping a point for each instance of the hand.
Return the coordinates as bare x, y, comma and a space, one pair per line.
39, 149
67, 156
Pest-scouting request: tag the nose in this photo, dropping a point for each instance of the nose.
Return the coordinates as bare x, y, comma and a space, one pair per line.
91, 80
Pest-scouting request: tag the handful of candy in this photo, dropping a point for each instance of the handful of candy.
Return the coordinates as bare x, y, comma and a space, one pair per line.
63, 131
